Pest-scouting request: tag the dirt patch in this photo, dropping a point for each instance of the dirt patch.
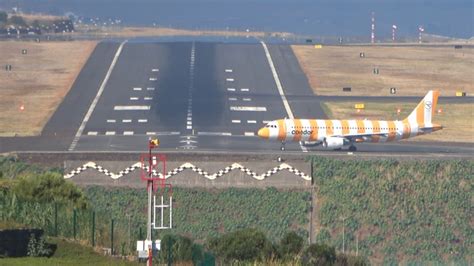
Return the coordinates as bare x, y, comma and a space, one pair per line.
453, 117
412, 70
37, 82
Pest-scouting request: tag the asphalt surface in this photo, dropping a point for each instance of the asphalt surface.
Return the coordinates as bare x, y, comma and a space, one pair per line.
199, 96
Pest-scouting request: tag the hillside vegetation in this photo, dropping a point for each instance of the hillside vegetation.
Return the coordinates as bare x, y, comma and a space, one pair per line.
397, 210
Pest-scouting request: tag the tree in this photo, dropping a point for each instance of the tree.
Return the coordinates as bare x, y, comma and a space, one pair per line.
290, 245
17, 20
317, 254
242, 245
49, 187
3, 17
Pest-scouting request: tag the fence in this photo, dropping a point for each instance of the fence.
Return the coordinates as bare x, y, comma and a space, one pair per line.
118, 235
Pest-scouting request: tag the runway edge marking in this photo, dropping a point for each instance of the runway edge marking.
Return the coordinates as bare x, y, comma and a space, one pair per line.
279, 87
96, 99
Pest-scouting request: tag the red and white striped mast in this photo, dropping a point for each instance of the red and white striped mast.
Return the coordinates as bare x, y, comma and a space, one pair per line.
372, 35
420, 31
394, 29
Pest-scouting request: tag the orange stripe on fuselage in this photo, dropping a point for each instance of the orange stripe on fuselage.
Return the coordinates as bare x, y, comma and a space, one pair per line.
391, 129
375, 129
314, 129
298, 130
329, 129
360, 126
406, 130
281, 130
345, 127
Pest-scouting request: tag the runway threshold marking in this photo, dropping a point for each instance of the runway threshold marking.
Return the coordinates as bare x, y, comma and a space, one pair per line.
92, 133
230, 89
96, 99
249, 108
150, 89
214, 134
128, 133
137, 89
153, 79
111, 121
148, 98
246, 99
132, 107
110, 133
133, 98
244, 89
236, 121
279, 86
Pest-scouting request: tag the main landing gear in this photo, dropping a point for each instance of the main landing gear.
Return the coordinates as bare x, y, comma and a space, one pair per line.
282, 148
352, 148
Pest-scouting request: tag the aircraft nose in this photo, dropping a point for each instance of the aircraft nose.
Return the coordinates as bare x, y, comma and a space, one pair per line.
264, 132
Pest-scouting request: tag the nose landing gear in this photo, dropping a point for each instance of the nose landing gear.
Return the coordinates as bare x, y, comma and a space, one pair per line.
282, 148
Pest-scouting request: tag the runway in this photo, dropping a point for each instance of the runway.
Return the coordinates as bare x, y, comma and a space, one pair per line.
199, 96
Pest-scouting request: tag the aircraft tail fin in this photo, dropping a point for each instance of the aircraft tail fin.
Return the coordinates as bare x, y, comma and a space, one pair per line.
425, 110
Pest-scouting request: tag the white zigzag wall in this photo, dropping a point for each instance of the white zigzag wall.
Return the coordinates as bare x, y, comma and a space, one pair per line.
190, 166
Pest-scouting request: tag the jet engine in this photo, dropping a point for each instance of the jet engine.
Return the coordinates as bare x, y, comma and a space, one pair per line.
335, 143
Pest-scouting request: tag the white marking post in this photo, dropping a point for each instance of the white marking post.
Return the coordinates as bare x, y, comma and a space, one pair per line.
96, 99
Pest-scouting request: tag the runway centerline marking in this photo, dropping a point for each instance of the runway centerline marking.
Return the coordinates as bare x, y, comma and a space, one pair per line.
142, 120
153, 79
244, 89
92, 133
249, 108
247, 99
137, 89
230, 89
155, 70
236, 121
132, 107
96, 99
248, 134
228, 70
252, 121
111, 121
150, 89
110, 133
232, 99
189, 116
229, 79
126, 120
280, 87
133, 98
148, 98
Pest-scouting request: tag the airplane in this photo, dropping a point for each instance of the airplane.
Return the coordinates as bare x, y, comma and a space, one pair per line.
336, 134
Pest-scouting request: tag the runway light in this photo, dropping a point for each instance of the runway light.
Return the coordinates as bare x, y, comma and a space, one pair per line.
22, 107
399, 111
440, 111
358, 110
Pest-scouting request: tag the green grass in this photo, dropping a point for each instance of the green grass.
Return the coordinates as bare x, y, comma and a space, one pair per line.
67, 254
398, 210
201, 214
